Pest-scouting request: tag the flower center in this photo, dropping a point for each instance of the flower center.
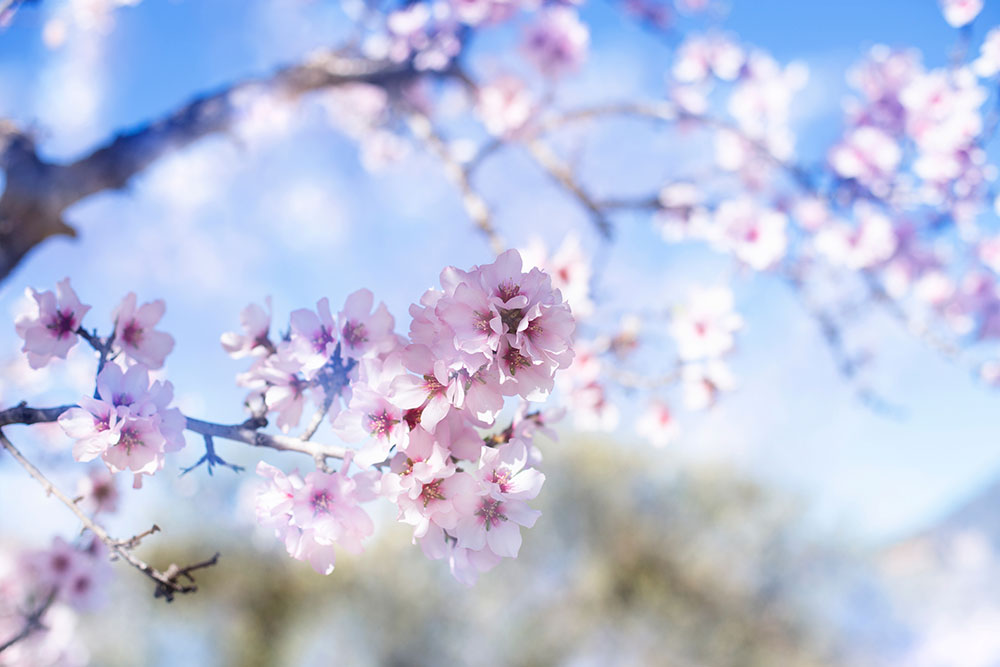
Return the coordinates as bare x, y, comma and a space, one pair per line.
321, 502
355, 334
508, 289
491, 512
129, 439
62, 323
322, 338
132, 335
515, 360
432, 491
380, 423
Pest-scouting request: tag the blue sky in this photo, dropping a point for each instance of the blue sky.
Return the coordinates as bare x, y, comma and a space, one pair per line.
295, 216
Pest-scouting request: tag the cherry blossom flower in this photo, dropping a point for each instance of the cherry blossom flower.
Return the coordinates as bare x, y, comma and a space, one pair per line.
703, 328
870, 243
98, 492
658, 424
135, 335
50, 331
867, 154
78, 575
505, 105
755, 234
313, 337
312, 515
129, 425
495, 525
703, 381
701, 55
256, 324
988, 62
362, 332
569, 269
557, 42
960, 12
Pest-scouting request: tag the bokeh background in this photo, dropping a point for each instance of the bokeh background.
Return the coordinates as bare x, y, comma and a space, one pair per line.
791, 524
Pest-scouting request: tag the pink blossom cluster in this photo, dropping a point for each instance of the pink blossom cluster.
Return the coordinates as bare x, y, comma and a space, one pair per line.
129, 423
414, 405
73, 577
312, 514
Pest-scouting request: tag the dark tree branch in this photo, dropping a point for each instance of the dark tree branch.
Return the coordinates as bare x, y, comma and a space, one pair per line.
37, 192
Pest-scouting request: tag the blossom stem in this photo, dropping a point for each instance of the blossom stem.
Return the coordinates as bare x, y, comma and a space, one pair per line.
166, 585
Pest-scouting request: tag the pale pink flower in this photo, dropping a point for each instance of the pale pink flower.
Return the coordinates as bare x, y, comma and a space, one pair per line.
256, 324
867, 154
658, 424
130, 425
988, 62
312, 515
569, 269
467, 564
78, 575
495, 524
704, 326
701, 55
755, 234
871, 242
505, 105
135, 335
364, 333
557, 42
371, 416
313, 337
703, 381
434, 389
960, 12
50, 331
98, 492
277, 379
504, 474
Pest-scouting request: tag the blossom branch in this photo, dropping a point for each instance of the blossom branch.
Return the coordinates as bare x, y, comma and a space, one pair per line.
32, 622
166, 583
472, 201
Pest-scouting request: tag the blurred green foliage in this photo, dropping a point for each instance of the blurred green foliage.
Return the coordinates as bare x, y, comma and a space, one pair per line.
633, 562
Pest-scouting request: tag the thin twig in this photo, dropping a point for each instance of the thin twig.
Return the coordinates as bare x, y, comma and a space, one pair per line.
166, 586
474, 204
32, 622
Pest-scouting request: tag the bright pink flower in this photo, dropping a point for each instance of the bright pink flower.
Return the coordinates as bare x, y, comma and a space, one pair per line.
134, 333
51, 330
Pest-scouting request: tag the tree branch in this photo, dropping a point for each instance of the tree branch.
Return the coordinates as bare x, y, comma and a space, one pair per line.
37, 192
166, 583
